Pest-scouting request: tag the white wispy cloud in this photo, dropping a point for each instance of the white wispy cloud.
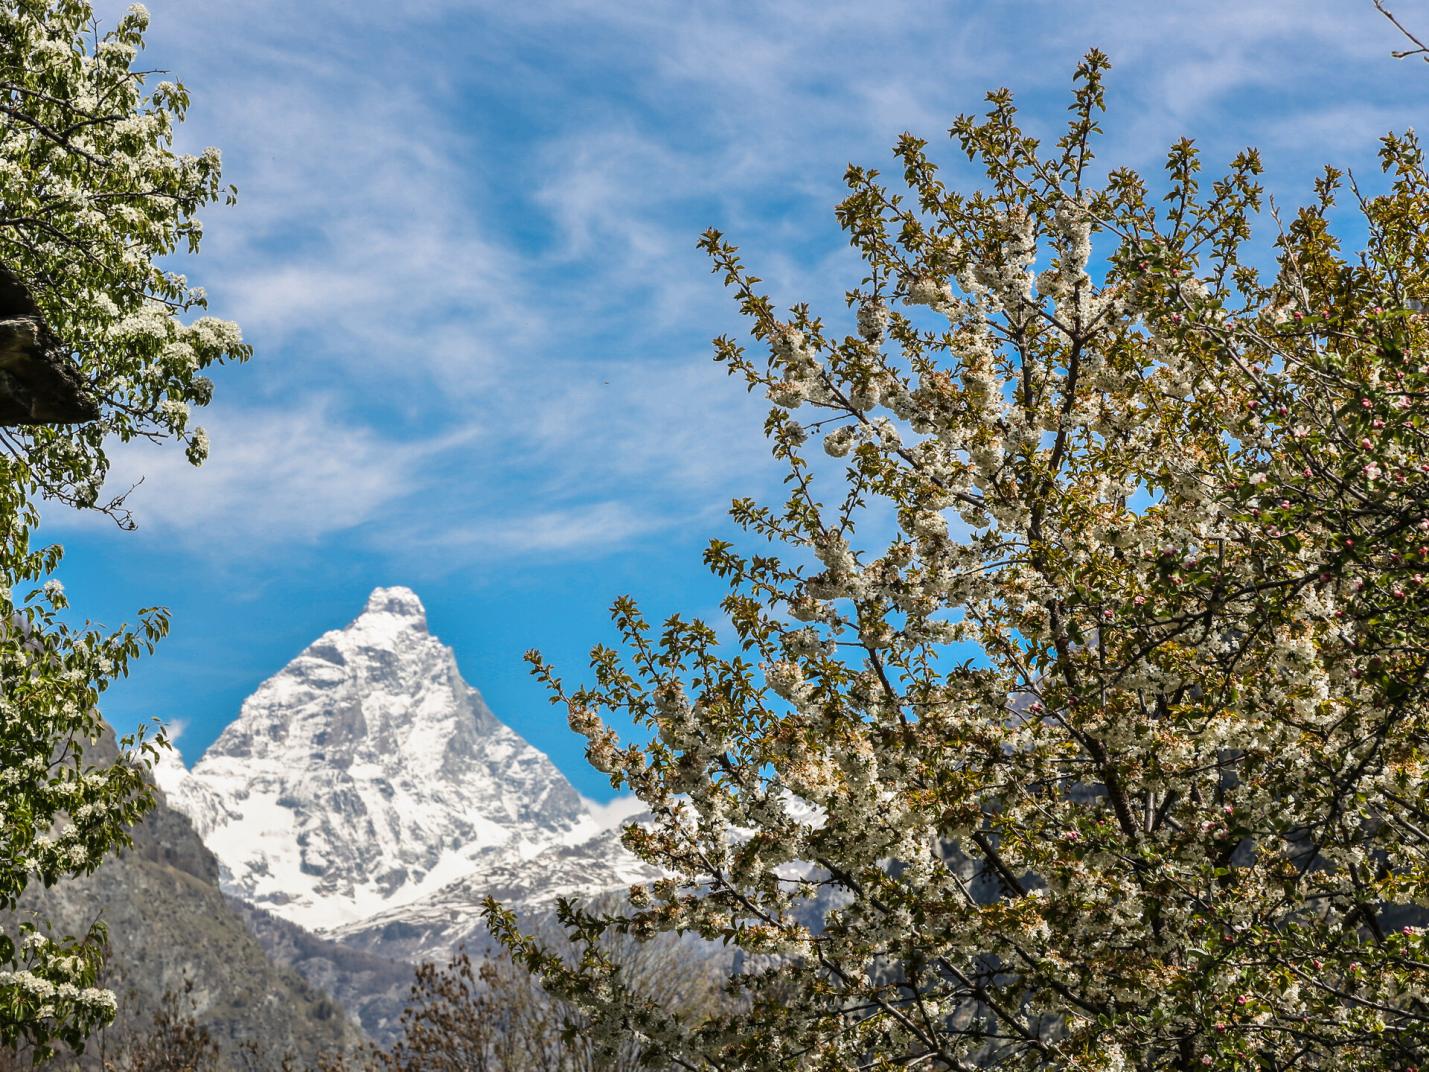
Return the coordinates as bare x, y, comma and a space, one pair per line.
586, 529
464, 248
293, 474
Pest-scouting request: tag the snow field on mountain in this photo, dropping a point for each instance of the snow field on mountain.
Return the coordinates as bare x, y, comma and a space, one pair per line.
366, 781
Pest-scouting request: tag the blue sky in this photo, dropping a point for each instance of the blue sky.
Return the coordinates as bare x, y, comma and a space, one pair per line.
465, 255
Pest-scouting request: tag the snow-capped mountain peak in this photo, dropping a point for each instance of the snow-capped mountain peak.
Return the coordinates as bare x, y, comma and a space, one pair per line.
388, 614
367, 774
399, 602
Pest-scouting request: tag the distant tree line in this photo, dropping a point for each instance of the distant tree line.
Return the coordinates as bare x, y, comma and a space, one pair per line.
471, 1014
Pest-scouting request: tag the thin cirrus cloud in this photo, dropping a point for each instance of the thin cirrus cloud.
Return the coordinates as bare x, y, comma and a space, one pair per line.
299, 472
466, 232
583, 530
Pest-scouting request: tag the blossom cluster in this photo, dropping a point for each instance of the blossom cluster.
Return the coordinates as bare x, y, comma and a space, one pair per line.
51, 991
95, 198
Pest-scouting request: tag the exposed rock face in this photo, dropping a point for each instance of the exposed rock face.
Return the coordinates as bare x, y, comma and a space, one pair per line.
366, 780
371, 987
434, 926
38, 382
169, 924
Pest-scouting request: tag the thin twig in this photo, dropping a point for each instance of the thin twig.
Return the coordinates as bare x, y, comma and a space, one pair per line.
1420, 49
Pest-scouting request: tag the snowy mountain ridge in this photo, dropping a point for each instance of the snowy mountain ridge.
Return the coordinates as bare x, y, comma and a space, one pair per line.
366, 780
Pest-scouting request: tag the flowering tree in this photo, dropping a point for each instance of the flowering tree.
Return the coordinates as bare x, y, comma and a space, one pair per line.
92, 195
1082, 721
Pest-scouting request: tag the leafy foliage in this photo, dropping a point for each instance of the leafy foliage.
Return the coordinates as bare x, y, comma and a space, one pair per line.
1111, 755
92, 198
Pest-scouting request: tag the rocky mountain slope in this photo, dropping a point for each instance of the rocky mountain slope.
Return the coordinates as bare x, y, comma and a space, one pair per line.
367, 793
371, 987
169, 924
450, 918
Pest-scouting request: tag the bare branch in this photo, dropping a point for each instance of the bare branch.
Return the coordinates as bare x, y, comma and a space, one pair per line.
1419, 49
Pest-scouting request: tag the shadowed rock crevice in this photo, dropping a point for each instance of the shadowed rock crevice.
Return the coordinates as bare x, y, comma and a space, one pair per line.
39, 383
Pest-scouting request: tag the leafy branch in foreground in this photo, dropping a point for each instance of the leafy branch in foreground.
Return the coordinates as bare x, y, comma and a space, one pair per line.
1080, 719
92, 199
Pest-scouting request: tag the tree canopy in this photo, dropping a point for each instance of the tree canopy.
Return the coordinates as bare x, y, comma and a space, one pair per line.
1077, 717
93, 201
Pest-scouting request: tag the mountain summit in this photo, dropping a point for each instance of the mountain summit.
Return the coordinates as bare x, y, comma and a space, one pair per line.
366, 775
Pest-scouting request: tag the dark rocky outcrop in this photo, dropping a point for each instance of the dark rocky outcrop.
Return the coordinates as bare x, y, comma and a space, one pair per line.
39, 384
169, 925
